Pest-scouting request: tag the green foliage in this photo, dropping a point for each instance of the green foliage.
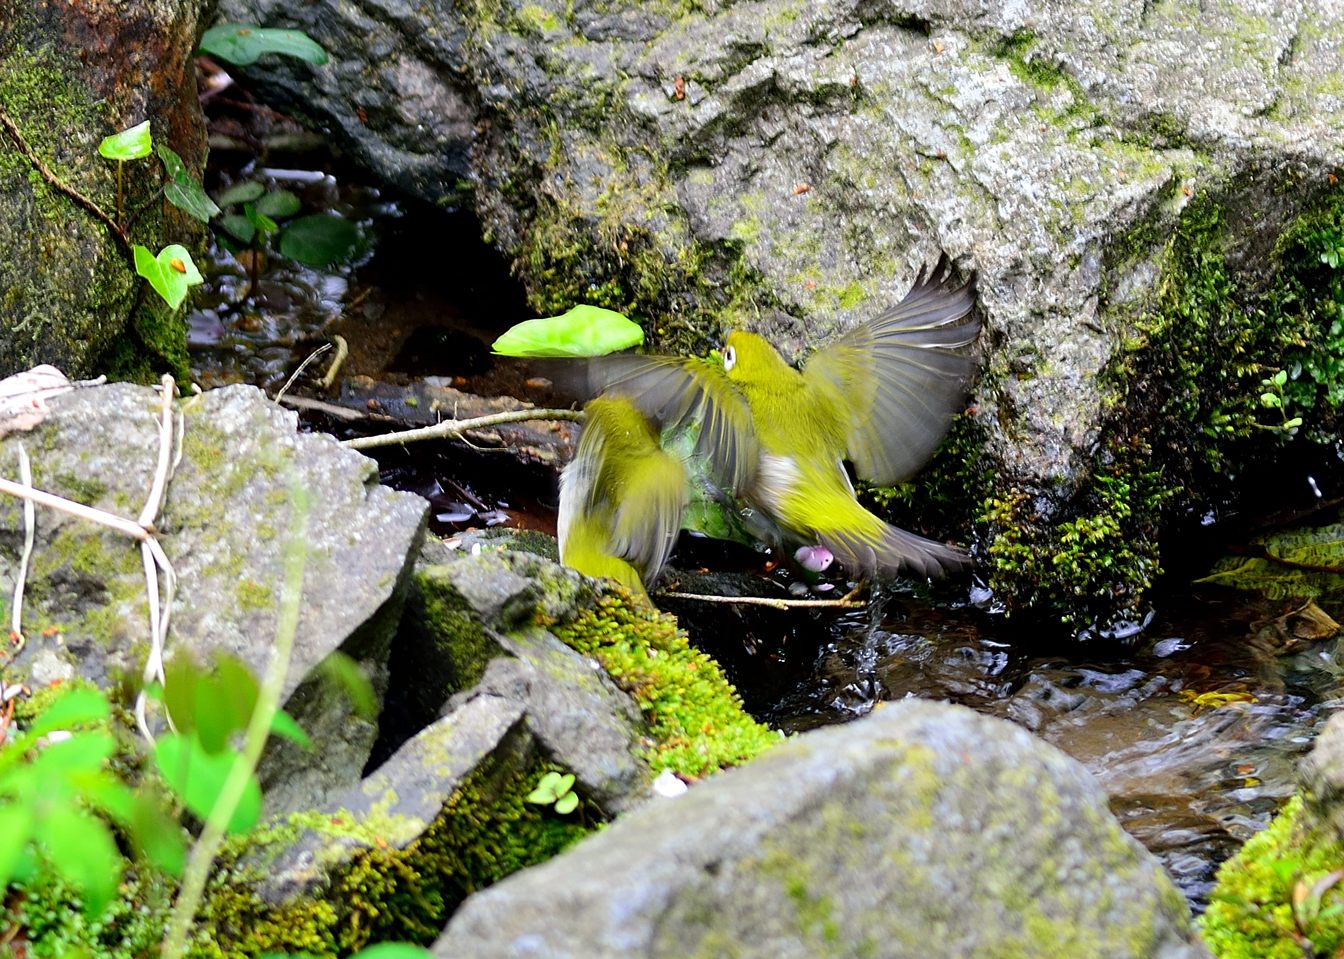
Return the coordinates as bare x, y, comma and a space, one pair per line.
581, 331
1279, 896
243, 44
1294, 564
320, 240
183, 190
557, 791
57, 794
130, 144
171, 273
695, 717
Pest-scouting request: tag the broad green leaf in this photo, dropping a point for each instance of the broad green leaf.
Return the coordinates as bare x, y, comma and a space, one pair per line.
279, 204
197, 777
183, 190
344, 673
239, 226
57, 763
392, 950
78, 707
107, 793
157, 835
16, 823
1294, 564
567, 803
171, 273
82, 851
247, 191
242, 43
582, 331
319, 240
129, 144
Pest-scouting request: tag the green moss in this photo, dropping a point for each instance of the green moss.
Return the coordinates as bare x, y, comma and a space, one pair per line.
695, 716
253, 596
485, 832
1251, 914
447, 625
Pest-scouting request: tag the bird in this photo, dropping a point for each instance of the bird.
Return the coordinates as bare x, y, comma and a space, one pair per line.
621, 497
769, 441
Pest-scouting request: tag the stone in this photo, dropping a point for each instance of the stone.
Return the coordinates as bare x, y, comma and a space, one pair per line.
924, 830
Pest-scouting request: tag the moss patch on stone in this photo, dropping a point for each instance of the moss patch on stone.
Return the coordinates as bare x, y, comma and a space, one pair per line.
695, 716
1252, 914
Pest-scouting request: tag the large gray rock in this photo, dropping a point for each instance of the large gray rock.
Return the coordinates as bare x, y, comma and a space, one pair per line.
224, 526
788, 166
924, 830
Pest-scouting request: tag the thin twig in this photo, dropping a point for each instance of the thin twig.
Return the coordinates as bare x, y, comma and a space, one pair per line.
153, 558
50, 500
302, 366
29, 523
60, 185
334, 411
844, 602
342, 351
163, 469
453, 429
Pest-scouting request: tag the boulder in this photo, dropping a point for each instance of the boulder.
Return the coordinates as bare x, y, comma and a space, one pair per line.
224, 526
923, 830
1119, 181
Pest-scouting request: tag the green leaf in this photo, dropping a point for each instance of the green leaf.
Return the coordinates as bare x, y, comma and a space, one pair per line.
287, 727
78, 707
197, 777
81, 850
157, 835
239, 226
245, 192
344, 673
261, 221
319, 240
392, 950
279, 204
16, 823
171, 273
129, 144
567, 803
183, 190
243, 43
582, 331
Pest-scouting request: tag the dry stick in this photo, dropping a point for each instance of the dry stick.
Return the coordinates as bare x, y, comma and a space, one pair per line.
60, 185
154, 558
844, 602
29, 522
50, 500
453, 429
302, 366
342, 352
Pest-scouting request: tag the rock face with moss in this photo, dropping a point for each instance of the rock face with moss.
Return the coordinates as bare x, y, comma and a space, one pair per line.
923, 830
1117, 177
71, 74
225, 526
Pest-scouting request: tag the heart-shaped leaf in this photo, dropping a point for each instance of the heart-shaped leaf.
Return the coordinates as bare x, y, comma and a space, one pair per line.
243, 43
247, 191
170, 273
319, 240
129, 144
279, 204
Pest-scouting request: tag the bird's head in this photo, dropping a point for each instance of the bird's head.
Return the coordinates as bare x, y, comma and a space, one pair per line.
748, 358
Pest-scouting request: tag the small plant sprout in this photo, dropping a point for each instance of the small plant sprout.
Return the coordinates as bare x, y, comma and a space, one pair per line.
130, 144
170, 273
1273, 399
557, 791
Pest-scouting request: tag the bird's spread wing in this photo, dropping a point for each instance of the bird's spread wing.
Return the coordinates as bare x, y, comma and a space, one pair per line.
902, 375
687, 397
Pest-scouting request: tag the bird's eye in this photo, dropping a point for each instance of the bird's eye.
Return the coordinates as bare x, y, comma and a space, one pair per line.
729, 358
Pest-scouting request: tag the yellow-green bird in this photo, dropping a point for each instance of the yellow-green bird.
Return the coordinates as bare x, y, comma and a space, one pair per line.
770, 440
621, 498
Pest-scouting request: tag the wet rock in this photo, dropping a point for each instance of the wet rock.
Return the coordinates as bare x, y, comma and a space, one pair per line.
788, 167
70, 75
924, 830
224, 526
1323, 777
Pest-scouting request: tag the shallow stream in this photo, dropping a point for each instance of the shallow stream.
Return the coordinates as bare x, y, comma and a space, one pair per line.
1193, 726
